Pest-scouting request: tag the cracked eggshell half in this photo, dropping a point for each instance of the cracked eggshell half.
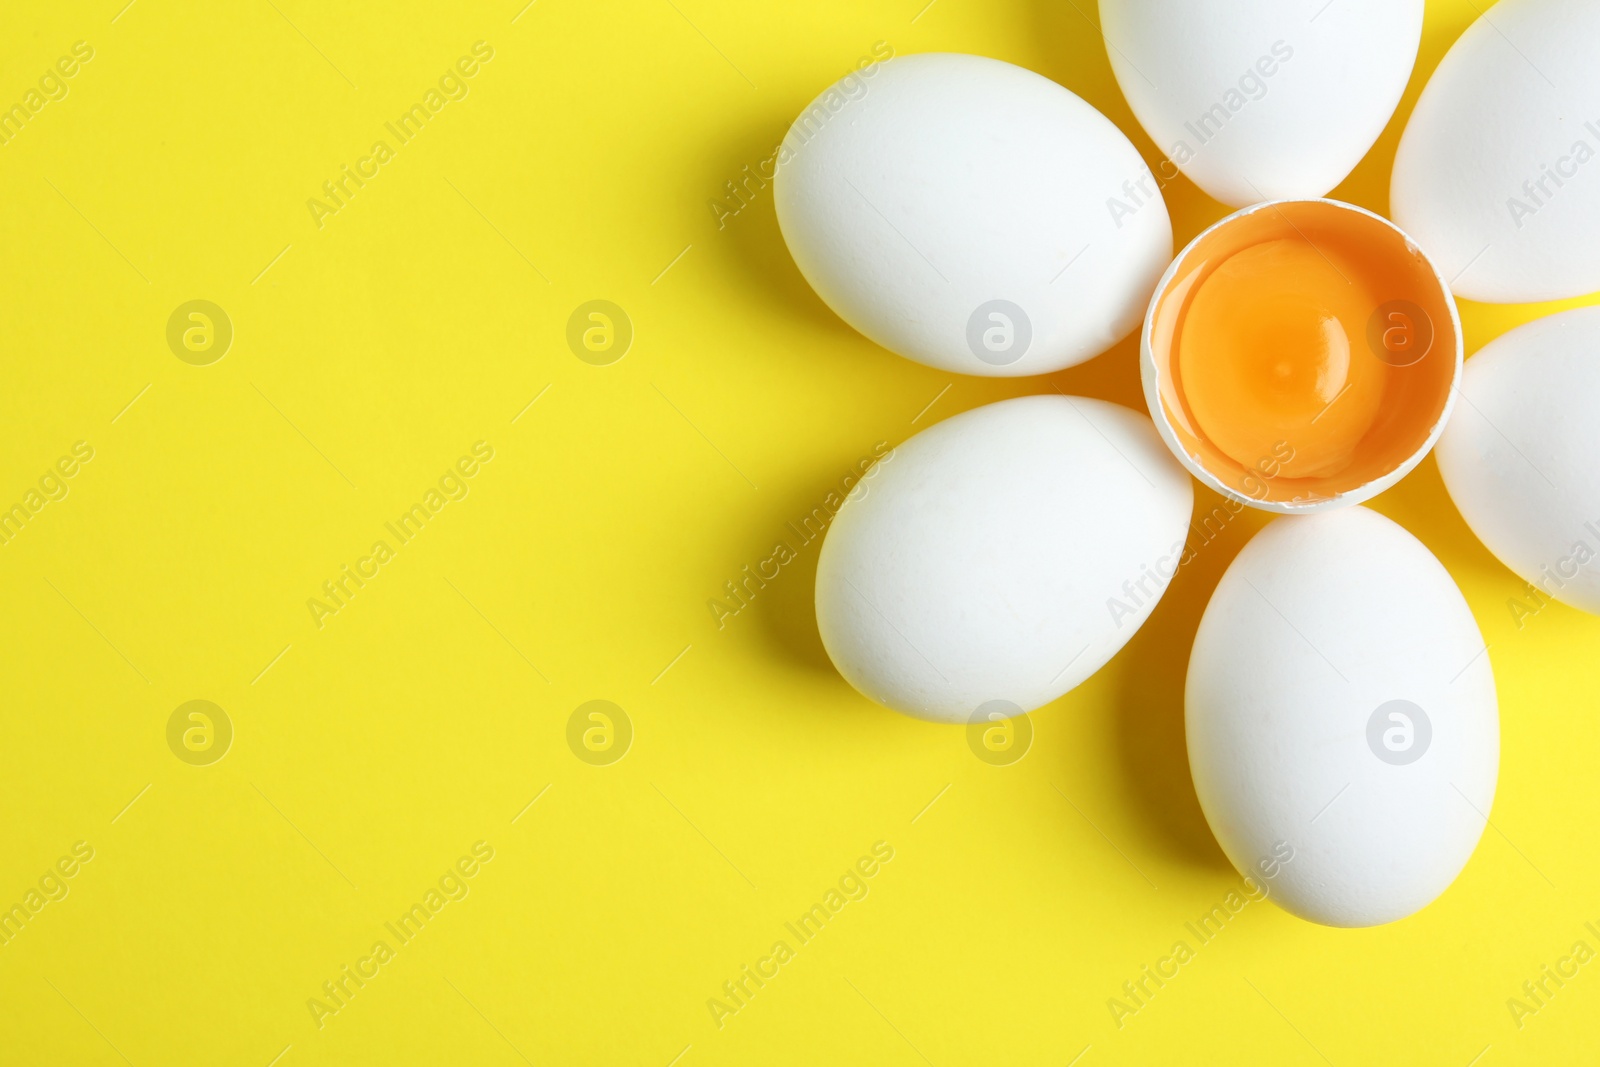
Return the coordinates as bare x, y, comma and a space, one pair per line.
1301, 355
1263, 99
1521, 458
1498, 171
957, 210
1002, 555
1343, 730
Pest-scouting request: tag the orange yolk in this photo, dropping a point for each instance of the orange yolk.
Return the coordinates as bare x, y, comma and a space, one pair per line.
1301, 350
1274, 359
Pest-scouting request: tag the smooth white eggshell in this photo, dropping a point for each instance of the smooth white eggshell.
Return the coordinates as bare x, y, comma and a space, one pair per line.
1321, 620
917, 191
1511, 103
1521, 457
977, 562
1336, 73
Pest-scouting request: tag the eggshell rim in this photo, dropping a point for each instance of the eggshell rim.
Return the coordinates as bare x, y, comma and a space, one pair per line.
1152, 386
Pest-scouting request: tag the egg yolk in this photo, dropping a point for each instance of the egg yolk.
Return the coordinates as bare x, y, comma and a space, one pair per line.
1273, 357
1299, 351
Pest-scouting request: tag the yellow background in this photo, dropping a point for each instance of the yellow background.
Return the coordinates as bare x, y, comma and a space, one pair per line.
371, 753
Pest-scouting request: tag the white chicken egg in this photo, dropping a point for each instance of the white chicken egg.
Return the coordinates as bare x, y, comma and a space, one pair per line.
1498, 173
1519, 457
959, 211
1262, 99
1004, 556
1341, 712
